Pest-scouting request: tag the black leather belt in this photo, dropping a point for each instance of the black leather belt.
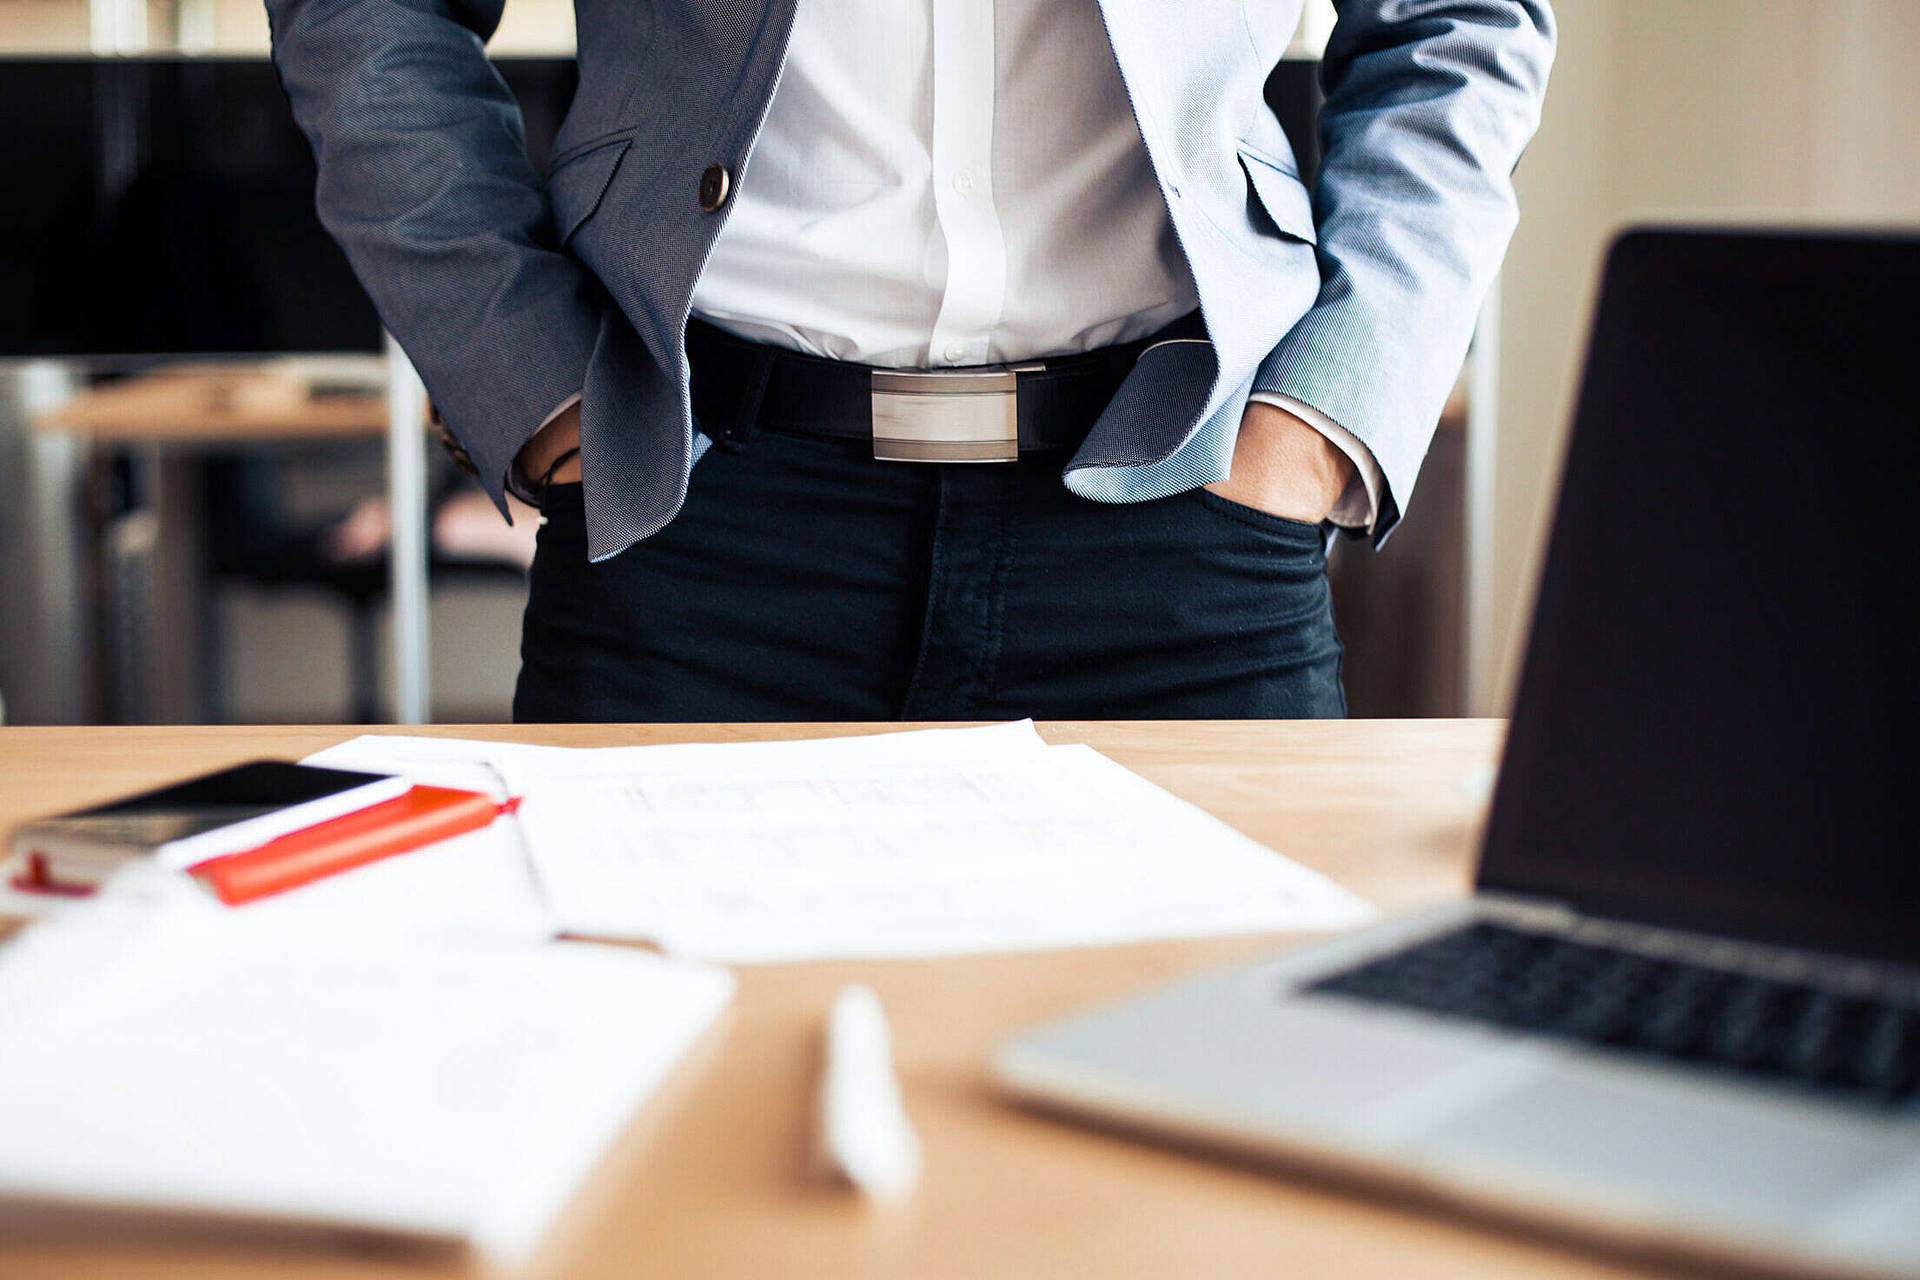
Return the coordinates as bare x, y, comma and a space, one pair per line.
980, 413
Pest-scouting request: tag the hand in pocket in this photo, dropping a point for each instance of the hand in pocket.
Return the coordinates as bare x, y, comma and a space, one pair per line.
1285, 468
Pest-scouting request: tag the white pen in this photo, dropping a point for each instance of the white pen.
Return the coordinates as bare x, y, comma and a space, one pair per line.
864, 1129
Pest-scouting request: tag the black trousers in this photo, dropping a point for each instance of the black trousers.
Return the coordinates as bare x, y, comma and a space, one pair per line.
805, 581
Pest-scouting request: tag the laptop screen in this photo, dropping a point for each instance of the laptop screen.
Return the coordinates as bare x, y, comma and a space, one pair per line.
1716, 721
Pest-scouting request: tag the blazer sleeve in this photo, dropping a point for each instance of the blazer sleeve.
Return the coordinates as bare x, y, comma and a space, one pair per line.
1428, 106
425, 182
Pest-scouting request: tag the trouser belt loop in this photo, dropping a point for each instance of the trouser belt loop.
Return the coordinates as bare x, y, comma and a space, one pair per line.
741, 425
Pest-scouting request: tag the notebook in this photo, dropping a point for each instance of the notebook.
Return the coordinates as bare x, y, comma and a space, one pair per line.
163, 1062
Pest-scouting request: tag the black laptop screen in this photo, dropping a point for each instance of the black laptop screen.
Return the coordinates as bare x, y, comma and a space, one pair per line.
1716, 719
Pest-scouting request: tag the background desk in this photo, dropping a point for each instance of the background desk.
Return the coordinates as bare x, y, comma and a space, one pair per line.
217, 404
715, 1181
153, 655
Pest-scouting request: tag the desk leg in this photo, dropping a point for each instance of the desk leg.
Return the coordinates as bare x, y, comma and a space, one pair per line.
407, 496
156, 594
95, 509
47, 574
122, 530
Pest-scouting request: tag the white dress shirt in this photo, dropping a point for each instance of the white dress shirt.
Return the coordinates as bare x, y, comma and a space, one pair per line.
958, 182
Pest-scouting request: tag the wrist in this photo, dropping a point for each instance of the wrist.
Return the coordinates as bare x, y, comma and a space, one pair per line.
552, 456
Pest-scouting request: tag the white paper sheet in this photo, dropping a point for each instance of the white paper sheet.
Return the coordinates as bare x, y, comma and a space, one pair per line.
480, 764
821, 850
531, 767
157, 1061
482, 886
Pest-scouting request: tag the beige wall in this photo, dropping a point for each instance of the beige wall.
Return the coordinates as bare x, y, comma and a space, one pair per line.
43, 26
1797, 111
530, 26
240, 26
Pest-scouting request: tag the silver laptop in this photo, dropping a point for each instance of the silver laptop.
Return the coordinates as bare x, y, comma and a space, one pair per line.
1682, 1009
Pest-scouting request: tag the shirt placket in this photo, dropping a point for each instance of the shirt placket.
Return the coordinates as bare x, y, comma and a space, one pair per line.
962, 176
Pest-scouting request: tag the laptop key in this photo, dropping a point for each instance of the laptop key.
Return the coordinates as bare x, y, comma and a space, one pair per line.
1812, 1049
1750, 1025
1888, 1061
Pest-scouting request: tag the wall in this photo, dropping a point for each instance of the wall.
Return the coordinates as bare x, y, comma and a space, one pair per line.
240, 26
232, 26
43, 26
1717, 111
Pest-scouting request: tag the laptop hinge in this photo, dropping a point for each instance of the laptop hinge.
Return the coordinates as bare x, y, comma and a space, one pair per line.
1780, 963
1539, 913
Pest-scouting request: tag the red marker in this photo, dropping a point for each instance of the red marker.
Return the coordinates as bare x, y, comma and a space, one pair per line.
418, 818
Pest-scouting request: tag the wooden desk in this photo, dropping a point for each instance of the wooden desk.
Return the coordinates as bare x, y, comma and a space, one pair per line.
714, 1180
216, 404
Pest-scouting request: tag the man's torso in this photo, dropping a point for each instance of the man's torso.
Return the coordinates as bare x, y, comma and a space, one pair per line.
947, 184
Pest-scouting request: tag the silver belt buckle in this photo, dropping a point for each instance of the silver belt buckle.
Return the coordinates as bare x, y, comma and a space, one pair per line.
940, 416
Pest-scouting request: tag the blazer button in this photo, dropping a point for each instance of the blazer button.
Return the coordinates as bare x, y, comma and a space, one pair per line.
715, 185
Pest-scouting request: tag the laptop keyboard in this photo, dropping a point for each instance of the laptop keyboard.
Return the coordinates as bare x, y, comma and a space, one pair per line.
1609, 996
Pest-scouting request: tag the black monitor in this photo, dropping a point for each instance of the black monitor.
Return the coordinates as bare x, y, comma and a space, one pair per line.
1716, 724
164, 206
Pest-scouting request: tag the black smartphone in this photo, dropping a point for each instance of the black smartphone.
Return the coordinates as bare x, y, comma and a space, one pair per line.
191, 821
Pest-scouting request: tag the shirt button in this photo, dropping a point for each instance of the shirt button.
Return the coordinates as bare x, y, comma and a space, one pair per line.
956, 351
715, 184
963, 182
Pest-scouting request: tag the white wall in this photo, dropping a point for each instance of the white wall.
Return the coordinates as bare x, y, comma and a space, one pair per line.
1787, 111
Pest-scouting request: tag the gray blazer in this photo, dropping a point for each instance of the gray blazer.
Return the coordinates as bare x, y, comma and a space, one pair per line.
511, 293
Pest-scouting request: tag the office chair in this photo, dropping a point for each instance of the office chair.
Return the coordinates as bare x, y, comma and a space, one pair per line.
252, 541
